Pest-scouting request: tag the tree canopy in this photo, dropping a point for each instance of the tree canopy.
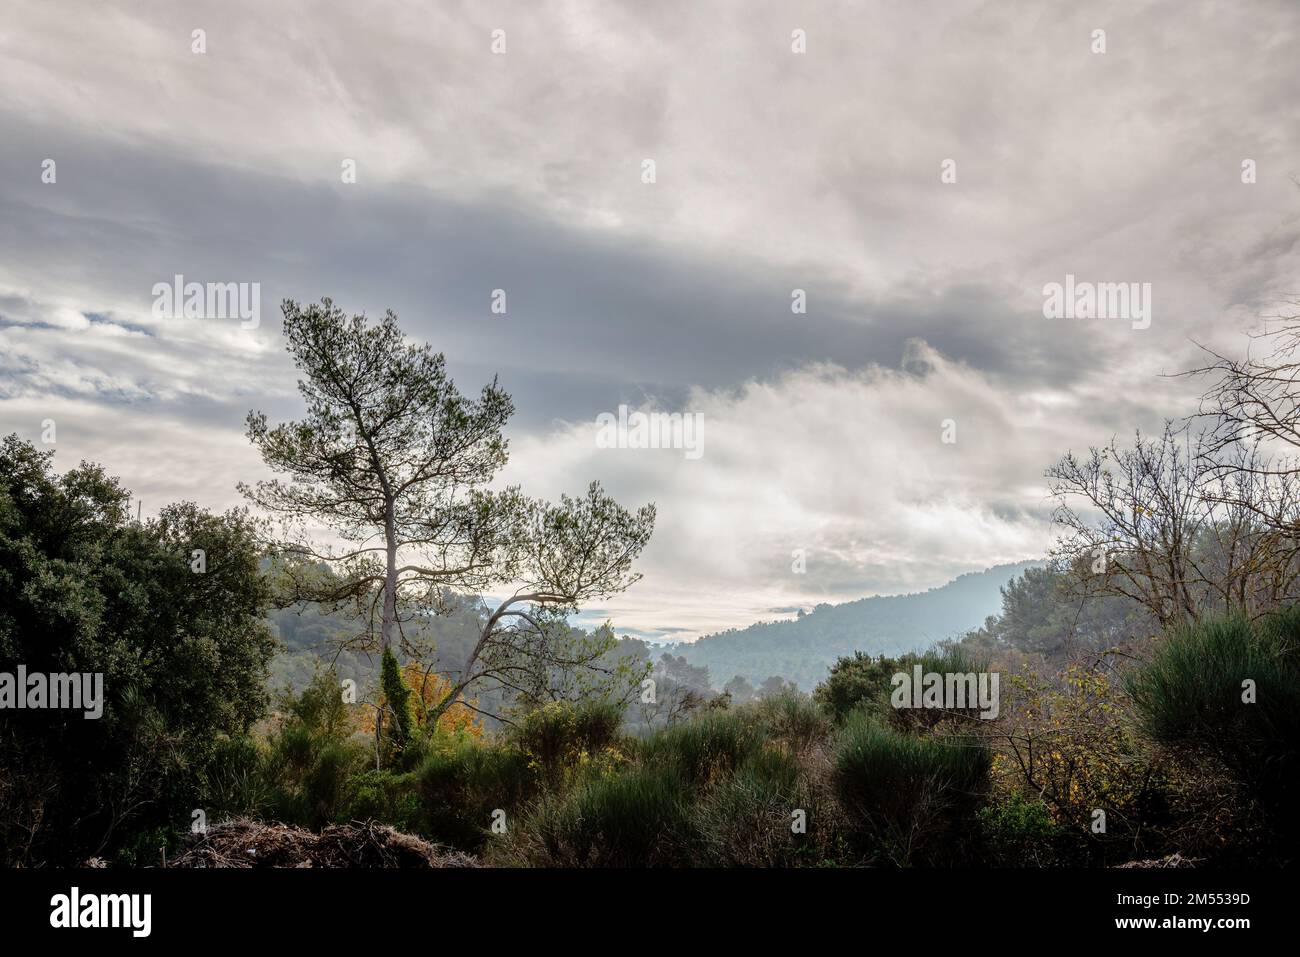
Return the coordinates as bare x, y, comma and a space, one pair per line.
183, 652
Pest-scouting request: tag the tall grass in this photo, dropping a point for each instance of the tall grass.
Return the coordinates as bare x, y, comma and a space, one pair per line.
794, 719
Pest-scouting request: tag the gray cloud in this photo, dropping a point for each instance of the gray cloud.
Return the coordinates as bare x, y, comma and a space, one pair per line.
775, 172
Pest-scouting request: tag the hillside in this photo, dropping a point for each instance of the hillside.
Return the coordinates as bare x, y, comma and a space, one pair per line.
803, 649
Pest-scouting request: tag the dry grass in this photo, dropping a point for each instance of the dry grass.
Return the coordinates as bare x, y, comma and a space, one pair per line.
244, 843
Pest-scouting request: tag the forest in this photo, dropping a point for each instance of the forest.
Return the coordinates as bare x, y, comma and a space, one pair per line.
381, 638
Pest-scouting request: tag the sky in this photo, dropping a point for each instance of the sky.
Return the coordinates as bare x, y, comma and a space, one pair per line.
920, 170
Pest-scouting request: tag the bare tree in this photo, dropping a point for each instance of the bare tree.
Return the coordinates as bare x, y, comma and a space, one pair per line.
1256, 399
1180, 524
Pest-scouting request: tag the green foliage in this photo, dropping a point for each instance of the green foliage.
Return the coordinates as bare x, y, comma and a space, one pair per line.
313, 760
865, 684
640, 818
794, 719
712, 744
562, 740
319, 709
722, 787
235, 783
1189, 696
1020, 832
387, 796
745, 821
716, 790
397, 700
460, 788
907, 795
183, 655
854, 683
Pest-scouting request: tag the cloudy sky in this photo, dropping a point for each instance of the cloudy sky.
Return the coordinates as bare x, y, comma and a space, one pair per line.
775, 170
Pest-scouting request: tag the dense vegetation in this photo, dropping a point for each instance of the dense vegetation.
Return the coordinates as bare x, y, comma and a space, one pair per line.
1163, 747
1149, 702
183, 657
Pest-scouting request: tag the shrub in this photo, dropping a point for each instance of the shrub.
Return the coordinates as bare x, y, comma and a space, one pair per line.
461, 787
794, 719
746, 820
864, 684
856, 683
638, 818
312, 760
1189, 697
712, 744
1070, 743
1020, 832
235, 784
386, 796
563, 741
906, 795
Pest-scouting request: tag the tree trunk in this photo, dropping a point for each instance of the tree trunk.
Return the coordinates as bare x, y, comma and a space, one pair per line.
388, 618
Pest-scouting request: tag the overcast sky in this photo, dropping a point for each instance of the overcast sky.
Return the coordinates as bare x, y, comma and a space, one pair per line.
774, 171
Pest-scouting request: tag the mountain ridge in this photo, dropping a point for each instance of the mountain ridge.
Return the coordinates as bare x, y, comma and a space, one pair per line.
803, 649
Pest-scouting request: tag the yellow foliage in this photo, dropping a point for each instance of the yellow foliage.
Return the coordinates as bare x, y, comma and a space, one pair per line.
429, 690
1070, 744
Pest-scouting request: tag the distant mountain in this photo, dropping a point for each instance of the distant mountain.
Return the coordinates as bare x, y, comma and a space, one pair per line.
804, 649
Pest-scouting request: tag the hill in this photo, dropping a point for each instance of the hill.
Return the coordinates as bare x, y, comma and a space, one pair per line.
803, 649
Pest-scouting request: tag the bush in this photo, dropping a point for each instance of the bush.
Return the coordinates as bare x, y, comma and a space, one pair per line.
794, 719
312, 760
864, 684
1071, 743
460, 788
387, 796
856, 683
712, 744
905, 795
1189, 697
1020, 832
638, 818
746, 820
563, 741
235, 784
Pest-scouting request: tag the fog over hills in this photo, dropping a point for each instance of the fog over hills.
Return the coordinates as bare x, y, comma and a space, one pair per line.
803, 649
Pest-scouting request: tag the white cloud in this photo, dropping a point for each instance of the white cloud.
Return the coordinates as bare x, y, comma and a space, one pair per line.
849, 466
